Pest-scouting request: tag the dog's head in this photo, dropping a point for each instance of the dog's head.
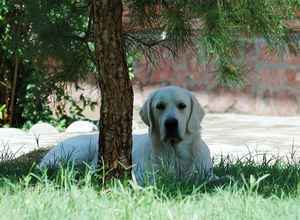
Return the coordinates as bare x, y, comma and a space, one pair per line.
171, 113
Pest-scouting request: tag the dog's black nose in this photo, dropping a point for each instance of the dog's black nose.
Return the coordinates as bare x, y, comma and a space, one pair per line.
172, 134
171, 124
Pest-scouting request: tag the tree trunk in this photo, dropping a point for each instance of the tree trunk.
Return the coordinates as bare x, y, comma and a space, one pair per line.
12, 108
116, 88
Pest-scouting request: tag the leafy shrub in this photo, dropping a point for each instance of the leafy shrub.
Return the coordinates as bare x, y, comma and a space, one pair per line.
35, 102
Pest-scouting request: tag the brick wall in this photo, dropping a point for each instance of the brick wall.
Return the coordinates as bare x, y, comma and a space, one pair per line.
272, 81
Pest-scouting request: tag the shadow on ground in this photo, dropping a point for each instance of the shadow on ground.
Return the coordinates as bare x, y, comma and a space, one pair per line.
268, 176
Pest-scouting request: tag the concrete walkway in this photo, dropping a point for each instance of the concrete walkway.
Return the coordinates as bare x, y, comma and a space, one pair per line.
232, 134
238, 134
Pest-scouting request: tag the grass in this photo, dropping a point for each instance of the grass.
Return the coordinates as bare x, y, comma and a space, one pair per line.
268, 189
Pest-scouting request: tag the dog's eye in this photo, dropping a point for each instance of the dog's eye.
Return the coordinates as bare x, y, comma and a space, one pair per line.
181, 106
160, 106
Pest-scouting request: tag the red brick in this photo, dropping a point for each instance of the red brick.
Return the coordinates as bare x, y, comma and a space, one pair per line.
272, 78
291, 75
268, 56
276, 86
291, 59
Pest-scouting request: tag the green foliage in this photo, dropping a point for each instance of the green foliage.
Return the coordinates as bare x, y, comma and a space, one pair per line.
69, 110
2, 111
219, 27
60, 31
132, 56
54, 42
36, 103
35, 100
230, 75
50, 41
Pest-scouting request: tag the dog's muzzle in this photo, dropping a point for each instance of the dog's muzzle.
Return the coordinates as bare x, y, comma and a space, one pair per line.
171, 131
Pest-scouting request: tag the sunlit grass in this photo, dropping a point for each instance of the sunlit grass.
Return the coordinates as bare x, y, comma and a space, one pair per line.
266, 189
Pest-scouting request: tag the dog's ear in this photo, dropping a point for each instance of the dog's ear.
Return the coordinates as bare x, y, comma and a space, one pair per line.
145, 112
196, 115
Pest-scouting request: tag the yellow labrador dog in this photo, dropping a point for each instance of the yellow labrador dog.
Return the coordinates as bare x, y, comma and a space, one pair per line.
172, 146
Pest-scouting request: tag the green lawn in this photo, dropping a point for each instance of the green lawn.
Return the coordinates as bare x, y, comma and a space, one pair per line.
265, 190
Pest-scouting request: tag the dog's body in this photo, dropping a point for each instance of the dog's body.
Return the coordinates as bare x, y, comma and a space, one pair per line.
189, 161
173, 143
77, 149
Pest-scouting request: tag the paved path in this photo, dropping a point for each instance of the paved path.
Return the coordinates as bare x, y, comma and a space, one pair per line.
224, 133
237, 134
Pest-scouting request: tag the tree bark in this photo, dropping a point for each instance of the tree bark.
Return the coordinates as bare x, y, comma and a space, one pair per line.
116, 89
12, 108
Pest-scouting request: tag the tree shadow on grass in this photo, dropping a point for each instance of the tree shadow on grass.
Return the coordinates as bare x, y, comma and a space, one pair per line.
268, 176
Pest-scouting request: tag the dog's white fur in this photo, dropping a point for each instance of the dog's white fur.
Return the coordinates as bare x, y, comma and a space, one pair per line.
188, 159
77, 149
